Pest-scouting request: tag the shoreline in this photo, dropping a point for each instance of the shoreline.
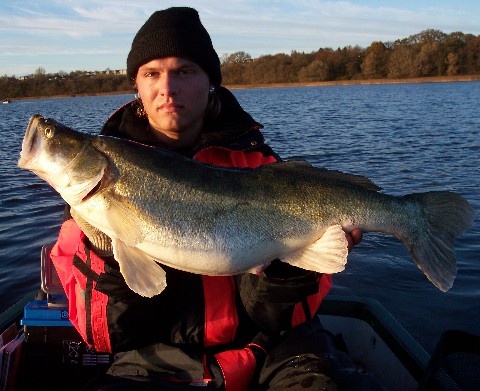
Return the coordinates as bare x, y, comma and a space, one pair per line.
414, 80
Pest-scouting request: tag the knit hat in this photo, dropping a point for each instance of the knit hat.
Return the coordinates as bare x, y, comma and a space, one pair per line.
174, 32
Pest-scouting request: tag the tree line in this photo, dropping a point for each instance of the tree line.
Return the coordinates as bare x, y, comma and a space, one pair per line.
75, 83
428, 53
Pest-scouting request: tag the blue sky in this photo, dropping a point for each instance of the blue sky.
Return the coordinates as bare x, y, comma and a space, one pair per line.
68, 35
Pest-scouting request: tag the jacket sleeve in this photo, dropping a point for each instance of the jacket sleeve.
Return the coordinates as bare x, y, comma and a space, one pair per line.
282, 297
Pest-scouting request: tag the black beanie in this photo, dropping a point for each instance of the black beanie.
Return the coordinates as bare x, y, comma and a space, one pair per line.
174, 32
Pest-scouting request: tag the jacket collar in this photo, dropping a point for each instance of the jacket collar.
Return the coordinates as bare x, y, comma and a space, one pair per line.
229, 127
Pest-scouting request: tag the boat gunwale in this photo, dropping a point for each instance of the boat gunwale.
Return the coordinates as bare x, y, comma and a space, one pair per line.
14, 313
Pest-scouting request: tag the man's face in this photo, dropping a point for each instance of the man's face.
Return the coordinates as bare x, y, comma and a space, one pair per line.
174, 92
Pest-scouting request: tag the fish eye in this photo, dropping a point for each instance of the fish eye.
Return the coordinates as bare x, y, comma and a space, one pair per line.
48, 131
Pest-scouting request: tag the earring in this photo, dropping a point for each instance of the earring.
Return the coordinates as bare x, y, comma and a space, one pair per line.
140, 112
211, 90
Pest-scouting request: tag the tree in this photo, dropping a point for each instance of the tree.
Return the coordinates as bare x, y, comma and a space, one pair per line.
471, 52
237, 57
298, 61
346, 63
269, 69
233, 67
374, 65
454, 42
40, 71
316, 71
401, 62
430, 61
452, 64
425, 36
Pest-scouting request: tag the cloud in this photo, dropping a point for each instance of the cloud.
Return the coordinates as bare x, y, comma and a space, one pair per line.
306, 25
72, 32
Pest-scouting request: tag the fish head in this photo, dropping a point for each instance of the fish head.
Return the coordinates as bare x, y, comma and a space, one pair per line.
64, 158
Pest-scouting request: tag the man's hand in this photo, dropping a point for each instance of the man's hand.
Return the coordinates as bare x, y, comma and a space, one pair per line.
354, 237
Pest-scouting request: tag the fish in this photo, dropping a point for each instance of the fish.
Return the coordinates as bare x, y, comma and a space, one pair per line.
161, 208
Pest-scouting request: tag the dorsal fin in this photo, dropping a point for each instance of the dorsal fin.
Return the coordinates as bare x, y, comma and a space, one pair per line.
302, 167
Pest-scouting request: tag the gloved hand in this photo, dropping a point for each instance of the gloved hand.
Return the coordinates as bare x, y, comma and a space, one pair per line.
100, 243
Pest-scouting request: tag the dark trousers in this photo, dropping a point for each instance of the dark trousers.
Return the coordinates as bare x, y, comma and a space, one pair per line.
308, 358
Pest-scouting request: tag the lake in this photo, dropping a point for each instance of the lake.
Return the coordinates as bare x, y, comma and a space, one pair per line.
405, 137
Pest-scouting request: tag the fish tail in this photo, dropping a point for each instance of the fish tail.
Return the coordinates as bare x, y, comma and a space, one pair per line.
447, 216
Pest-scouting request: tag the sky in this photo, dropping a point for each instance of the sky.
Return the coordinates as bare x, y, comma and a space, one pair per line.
95, 35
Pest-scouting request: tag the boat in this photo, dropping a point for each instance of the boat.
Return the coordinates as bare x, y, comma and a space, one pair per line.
6, 101
42, 350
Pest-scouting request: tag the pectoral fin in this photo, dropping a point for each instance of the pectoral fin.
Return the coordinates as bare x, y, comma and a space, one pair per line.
126, 224
327, 255
142, 274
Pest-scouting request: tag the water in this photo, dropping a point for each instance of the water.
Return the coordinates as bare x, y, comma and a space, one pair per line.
406, 138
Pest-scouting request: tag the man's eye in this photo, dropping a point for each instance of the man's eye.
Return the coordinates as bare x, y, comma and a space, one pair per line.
185, 71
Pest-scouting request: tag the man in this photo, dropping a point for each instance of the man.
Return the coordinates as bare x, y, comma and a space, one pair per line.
235, 332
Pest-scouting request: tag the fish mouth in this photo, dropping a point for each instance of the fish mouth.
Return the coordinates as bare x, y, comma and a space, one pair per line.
68, 168
29, 141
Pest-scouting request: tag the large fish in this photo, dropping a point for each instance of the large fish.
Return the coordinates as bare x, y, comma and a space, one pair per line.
159, 207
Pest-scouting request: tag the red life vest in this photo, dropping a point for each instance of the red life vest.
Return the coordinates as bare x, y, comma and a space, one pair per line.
79, 269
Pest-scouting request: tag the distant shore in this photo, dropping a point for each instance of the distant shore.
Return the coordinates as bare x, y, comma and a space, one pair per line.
433, 79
